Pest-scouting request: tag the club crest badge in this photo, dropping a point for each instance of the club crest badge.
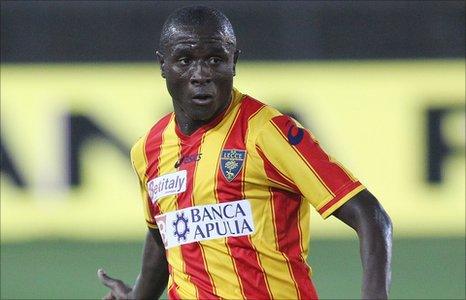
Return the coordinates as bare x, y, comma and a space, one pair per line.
231, 162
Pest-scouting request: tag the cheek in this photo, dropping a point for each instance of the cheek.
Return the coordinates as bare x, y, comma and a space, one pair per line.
175, 81
227, 69
224, 73
224, 80
175, 88
176, 74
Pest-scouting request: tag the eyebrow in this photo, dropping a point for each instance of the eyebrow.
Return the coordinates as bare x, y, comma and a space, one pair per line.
185, 47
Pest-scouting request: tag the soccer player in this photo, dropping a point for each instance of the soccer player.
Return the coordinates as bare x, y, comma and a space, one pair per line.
227, 184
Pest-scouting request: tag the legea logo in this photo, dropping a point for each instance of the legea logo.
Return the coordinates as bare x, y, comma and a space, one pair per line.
168, 184
205, 222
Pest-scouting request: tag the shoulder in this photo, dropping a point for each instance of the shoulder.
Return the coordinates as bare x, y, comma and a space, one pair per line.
138, 148
257, 111
258, 114
266, 122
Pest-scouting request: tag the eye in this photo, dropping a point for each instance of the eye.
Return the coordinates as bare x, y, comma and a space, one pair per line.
214, 60
184, 61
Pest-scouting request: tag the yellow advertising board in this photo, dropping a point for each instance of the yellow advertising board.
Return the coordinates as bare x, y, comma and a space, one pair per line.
65, 131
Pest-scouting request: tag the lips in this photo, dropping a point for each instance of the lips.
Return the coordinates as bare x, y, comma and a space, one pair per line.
202, 99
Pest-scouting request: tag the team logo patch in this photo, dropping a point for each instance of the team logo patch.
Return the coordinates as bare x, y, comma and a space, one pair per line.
295, 135
206, 222
231, 162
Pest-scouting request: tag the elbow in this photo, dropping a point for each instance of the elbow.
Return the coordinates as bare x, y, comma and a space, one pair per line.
385, 224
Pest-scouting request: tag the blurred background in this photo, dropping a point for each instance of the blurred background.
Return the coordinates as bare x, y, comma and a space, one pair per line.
381, 85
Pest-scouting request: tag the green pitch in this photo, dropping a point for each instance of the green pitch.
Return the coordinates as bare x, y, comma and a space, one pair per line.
422, 268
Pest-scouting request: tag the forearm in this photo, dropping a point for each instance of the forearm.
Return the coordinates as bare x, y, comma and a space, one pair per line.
376, 249
148, 287
153, 278
372, 224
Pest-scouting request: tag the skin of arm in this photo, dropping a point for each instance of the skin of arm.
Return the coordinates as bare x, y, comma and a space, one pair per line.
373, 226
153, 278
151, 281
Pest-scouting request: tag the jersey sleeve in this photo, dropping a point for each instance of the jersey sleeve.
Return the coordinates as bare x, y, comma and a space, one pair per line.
138, 160
300, 164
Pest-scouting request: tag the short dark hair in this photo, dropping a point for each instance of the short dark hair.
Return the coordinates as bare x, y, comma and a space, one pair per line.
193, 16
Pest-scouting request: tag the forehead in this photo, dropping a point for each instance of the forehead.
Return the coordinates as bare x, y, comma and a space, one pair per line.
198, 37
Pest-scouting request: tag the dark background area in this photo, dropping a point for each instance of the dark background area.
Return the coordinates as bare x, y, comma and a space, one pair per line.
75, 31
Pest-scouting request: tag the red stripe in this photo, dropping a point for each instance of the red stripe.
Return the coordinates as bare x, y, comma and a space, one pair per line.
274, 174
342, 193
331, 174
286, 211
192, 253
245, 256
172, 294
152, 149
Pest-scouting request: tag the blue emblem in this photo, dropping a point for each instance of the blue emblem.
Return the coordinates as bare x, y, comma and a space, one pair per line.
295, 139
181, 227
231, 162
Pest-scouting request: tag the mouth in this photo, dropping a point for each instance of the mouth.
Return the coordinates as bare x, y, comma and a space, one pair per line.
202, 99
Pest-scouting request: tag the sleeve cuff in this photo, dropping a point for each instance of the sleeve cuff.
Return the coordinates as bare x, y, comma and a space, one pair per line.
340, 198
151, 224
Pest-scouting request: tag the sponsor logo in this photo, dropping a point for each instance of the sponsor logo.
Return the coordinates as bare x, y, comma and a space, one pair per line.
188, 159
205, 222
295, 139
231, 162
181, 226
168, 184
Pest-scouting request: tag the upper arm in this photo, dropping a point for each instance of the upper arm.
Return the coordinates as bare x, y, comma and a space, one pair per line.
154, 252
293, 158
364, 210
155, 238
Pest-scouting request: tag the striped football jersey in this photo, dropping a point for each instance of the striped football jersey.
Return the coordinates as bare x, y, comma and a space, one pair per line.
231, 201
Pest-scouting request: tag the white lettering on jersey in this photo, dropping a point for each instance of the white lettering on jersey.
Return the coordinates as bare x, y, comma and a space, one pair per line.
205, 222
168, 184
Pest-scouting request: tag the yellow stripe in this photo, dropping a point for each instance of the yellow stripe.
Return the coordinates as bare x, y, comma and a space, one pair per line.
342, 201
282, 186
274, 264
216, 252
304, 226
234, 277
144, 192
139, 162
259, 260
170, 283
193, 203
316, 174
304, 178
290, 271
170, 152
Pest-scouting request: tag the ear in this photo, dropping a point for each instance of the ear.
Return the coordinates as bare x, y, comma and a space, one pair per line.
235, 59
161, 62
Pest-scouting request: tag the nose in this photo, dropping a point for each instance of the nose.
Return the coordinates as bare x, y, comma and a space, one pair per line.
201, 74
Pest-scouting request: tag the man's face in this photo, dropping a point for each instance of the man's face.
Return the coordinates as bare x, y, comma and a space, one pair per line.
199, 65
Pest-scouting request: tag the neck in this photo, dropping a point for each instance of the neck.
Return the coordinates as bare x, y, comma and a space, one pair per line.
186, 124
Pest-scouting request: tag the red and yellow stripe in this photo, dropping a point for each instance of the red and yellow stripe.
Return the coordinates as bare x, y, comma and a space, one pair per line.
245, 256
